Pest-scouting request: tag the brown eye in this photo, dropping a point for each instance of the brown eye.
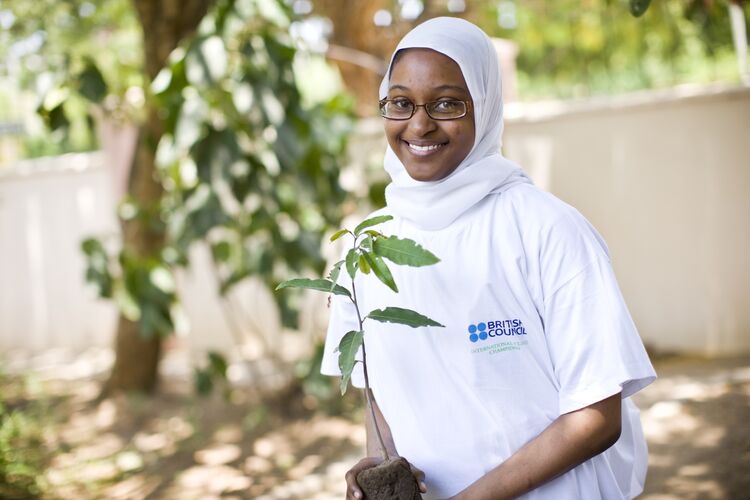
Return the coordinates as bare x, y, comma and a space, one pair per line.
447, 109
401, 104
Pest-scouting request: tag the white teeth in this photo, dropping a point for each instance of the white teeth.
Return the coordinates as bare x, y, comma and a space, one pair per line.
424, 148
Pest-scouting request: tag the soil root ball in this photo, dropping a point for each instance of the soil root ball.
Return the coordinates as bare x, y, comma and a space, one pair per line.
391, 480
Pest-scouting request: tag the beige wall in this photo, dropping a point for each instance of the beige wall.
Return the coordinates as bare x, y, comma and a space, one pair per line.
665, 177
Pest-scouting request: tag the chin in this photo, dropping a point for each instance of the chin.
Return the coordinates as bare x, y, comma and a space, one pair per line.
423, 175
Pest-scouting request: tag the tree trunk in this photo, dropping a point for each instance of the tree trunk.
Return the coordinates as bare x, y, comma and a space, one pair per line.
165, 23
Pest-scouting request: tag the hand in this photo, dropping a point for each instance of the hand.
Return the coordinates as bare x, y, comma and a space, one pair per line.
353, 492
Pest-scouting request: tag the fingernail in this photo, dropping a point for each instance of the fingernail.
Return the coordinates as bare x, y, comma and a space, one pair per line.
423, 487
357, 494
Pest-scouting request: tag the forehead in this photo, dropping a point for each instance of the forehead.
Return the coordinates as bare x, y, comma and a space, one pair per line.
417, 67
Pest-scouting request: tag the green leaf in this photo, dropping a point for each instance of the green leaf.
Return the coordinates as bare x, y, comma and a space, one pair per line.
402, 316
351, 262
338, 234
91, 83
320, 284
335, 271
367, 243
372, 221
380, 269
347, 350
639, 7
363, 265
403, 252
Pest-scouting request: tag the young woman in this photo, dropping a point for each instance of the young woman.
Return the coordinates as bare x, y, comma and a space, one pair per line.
526, 391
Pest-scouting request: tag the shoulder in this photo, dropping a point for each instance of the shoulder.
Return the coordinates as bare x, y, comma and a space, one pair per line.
545, 221
535, 206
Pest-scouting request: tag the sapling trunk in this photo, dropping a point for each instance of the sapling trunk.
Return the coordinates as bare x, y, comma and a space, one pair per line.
368, 392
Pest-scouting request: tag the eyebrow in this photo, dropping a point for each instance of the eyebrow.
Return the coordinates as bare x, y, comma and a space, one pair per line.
438, 88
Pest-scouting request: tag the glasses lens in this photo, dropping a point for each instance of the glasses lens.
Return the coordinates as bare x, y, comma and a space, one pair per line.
446, 109
397, 108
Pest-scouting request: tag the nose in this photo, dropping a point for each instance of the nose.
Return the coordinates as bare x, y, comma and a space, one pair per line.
421, 123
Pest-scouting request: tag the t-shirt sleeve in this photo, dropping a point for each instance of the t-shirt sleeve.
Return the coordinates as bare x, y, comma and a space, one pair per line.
593, 343
343, 319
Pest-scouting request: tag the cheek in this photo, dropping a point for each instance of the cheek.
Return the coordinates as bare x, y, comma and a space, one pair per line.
464, 136
393, 130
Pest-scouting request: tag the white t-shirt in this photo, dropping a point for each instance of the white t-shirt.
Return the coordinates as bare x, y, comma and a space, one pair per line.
535, 327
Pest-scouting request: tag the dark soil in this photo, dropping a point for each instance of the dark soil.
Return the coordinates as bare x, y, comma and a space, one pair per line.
391, 480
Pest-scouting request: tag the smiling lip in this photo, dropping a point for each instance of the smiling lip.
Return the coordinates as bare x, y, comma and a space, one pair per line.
424, 149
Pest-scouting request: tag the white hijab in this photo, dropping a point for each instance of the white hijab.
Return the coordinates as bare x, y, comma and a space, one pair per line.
434, 205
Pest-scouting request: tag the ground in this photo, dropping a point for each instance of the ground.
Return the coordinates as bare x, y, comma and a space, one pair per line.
177, 445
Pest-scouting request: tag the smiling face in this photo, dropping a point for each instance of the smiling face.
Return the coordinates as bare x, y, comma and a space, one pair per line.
429, 149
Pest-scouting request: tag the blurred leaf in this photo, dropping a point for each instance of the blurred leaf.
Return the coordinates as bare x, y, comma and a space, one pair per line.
218, 363
347, 349
203, 382
221, 251
373, 221
97, 267
639, 7
55, 118
402, 316
206, 61
403, 252
91, 83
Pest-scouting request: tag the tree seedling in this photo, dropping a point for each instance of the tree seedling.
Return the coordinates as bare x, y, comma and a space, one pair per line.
368, 254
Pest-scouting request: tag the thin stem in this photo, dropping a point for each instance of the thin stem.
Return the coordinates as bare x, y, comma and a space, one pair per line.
368, 393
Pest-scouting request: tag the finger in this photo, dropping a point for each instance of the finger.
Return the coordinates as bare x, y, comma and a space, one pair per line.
419, 476
352, 488
353, 494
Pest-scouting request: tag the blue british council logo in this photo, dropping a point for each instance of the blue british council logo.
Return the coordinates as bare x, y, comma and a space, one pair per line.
477, 332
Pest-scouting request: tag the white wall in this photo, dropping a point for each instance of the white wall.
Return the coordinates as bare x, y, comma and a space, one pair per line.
665, 177
47, 207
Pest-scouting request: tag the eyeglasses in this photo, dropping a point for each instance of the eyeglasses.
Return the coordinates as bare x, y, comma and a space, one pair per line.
403, 109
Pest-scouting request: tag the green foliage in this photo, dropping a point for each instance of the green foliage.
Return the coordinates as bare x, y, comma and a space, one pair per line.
91, 84
372, 221
214, 372
245, 165
367, 254
20, 455
402, 316
321, 285
403, 252
380, 269
97, 268
639, 7
347, 349
54, 49
571, 48
143, 288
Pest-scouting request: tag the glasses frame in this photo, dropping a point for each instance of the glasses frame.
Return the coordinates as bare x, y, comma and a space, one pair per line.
382, 102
